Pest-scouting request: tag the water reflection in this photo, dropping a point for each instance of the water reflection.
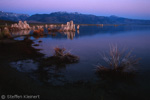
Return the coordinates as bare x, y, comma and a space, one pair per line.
53, 74
37, 37
70, 35
78, 31
92, 40
25, 65
94, 30
20, 33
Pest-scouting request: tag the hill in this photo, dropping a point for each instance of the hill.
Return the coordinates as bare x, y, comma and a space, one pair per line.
63, 17
12, 16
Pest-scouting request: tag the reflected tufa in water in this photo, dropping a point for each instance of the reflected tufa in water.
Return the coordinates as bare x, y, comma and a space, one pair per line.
78, 31
20, 33
78, 26
70, 35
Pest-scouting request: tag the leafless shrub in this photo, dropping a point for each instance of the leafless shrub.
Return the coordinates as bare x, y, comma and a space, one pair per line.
118, 62
65, 56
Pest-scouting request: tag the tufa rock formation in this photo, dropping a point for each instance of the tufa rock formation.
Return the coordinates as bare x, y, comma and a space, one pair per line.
6, 32
70, 26
21, 25
78, 26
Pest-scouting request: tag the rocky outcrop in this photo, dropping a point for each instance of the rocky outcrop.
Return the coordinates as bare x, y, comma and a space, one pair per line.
46, 26
78, 26
6, 32
69, 27
39, 26
38, 32
21, 25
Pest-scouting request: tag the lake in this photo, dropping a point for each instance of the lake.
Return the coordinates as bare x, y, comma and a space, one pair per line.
88, 44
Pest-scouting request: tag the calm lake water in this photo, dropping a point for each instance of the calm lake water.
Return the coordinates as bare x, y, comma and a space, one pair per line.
88, 43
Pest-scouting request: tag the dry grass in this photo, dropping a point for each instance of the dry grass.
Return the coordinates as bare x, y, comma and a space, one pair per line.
118, 62
62, 55
60, 58
59, 51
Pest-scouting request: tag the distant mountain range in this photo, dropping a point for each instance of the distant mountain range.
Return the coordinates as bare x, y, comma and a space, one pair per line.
12, 16
63, 17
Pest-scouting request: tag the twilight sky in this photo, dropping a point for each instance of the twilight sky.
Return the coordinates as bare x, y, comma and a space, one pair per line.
139, 9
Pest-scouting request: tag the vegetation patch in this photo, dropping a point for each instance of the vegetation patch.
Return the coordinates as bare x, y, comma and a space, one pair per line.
119, 64
60, 57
